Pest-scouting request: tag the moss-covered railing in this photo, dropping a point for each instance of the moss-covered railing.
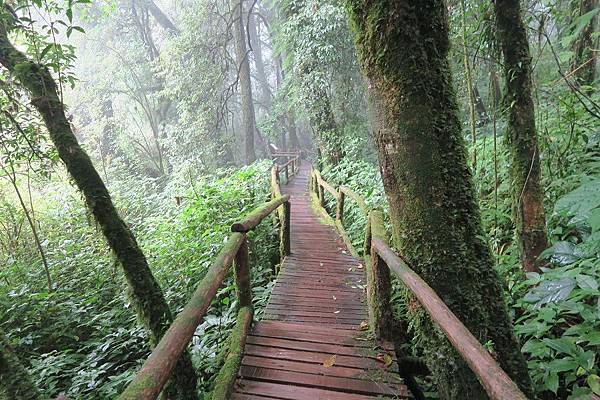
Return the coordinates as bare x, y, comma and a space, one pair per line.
150, 379
380, 259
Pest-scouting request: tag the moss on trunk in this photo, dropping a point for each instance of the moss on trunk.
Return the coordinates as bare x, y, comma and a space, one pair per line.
403, 48
15, 382
585, 54
147, 296
521, 137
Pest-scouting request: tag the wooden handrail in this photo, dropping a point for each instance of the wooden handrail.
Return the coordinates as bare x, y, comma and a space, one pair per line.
381, 260
256, 216
326, 185
154, 374
496, 382
359, 200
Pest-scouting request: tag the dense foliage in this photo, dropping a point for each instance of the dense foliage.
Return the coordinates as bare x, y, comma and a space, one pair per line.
152, 90
82, 339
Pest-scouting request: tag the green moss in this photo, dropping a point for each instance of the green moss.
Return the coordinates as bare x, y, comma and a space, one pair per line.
15, 382
402, 47
237, 342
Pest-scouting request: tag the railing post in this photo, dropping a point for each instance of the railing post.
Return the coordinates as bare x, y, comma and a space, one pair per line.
378, 284
367, 244
321, 193
287, 174
286, 249
339, 209
242, 276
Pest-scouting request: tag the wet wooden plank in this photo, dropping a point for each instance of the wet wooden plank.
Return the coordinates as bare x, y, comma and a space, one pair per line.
293, 392
348, 385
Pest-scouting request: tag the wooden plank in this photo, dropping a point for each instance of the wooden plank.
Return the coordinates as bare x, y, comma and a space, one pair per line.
311, 357
292, 392
314, 347
319, 369
348, 385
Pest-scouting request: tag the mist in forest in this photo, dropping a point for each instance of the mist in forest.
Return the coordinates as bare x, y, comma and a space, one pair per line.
134, 133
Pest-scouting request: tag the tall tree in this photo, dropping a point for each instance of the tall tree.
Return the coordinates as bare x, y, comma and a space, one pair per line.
147, 295
521, 137
259, 64
585, 55
243, 73
403, 48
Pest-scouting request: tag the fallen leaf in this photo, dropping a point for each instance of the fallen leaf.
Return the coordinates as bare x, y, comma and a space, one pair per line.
321, 264
328, 363
360, 266
335, 298
364, 326
344, 252
386, 359
336, 312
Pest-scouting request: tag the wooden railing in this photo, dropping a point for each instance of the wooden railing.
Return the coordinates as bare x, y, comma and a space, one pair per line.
151, 378
380, 259
289, 168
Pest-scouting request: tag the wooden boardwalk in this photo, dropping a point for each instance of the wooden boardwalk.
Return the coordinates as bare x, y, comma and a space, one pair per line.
310, 344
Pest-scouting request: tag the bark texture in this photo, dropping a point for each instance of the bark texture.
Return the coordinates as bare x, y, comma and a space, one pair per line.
403, 47
584, 60
146, 294
521, 137
241, 54
15, 382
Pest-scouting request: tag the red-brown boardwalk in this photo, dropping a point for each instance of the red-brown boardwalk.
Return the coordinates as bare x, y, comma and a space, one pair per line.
310, 344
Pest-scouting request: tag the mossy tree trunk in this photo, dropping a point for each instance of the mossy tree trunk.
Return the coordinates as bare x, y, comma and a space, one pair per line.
326, 130
15, 382
243, 72
147, 295
403, 48
585, 54
521, 138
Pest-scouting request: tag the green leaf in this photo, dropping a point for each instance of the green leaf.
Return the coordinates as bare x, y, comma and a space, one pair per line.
593, 382
552, 291
562, 365
586, 282
562, 253
562, 345
551, 382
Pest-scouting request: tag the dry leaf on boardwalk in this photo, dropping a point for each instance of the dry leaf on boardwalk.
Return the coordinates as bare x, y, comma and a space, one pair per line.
330, 361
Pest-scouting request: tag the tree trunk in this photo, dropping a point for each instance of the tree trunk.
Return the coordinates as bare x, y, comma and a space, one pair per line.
403, 47
480, 107
15, 382
495, 88
161, 17
147, 296
261, 75
323, 122
290, 113
243, 72
521, 137
584, 60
